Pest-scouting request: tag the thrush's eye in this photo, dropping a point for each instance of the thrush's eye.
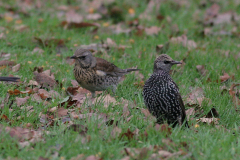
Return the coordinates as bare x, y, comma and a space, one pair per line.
82, 57
166, 62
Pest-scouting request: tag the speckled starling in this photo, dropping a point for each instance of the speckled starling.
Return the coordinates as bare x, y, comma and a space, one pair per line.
11, 79
161, 94
96, 74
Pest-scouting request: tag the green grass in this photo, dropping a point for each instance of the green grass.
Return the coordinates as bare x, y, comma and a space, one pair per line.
204, 142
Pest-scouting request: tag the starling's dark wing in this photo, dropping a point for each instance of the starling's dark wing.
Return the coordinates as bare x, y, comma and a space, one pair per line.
12, 79
108, 68
181, 104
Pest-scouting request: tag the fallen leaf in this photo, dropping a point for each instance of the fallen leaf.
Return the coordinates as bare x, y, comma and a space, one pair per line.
21, 101
201, 69
107, 100
16, 68
128, 134
154, 30
225, 77
61, 112
116, 132
43, 94
125, 110
45, 80
235, 99
190, 112
164, 128
146, 112
73, 17
190, 44
81, 129
213, 121
92, 158
37, 50
7, 63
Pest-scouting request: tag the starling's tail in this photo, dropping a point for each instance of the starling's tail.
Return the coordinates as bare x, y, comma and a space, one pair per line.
12, 79
131, 69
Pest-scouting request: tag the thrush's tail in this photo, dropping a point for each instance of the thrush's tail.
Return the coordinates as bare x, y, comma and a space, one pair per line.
12, 79
130, 70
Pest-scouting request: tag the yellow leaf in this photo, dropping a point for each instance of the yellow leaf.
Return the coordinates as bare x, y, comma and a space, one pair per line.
131, 11
2, 67
18, 21
96, 37
131, 40
196, 126
106, 24
91, 10
8, 18
29, 62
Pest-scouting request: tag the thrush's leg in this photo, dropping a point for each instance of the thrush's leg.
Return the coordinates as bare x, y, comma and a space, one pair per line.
93, 94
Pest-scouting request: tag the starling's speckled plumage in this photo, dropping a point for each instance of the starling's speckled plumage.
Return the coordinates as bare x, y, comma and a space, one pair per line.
161, 94
96, 74
11, 79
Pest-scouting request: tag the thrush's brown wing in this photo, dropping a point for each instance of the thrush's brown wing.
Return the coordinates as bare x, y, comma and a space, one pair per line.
108, 68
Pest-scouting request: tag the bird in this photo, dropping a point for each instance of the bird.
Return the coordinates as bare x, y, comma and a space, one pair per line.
96, 74
161, 94
11, 79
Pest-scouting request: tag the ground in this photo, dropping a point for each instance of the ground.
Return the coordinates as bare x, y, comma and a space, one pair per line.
42, 35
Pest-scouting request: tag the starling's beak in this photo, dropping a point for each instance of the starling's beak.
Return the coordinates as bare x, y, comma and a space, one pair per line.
176, 62
73, 57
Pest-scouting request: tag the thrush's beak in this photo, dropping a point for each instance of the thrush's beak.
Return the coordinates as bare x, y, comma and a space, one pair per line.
73, 57
176, 62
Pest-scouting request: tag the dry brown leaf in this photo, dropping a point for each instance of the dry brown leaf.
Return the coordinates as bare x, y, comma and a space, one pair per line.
116, 132
146, 112
164, 128
94, 16
37, 50
23, 134
17, 92
36, 97
235, 99
61, 112
74, 83
154, 30
125, 110
128, 134
33, 83
92, 158
139, 75
151, 9
107, 100
190, 112
190, 44
21, 101
201, 69
45, 80
208, 120
43, 94
225, 77
16, 68
72, 16
79, 157
7, 63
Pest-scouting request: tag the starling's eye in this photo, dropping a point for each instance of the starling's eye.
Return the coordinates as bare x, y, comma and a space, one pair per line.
82, 57
166, 62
